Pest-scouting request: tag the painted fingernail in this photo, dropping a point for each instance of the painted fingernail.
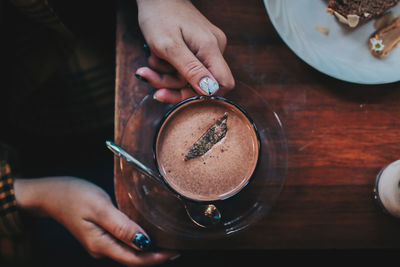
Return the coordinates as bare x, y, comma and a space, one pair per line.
146, 49
156, 99
208, 85
141, 241
141, 78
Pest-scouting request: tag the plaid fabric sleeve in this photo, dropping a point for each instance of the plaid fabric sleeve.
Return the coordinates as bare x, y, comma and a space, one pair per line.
15, 245
10, 223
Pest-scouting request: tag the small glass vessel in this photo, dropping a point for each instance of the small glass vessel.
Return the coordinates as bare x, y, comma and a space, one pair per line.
387, 189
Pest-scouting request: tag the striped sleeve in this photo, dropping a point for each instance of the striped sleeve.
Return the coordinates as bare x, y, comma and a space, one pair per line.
10, 222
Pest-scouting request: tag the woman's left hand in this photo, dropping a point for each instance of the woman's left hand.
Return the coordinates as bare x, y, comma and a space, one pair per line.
185, 48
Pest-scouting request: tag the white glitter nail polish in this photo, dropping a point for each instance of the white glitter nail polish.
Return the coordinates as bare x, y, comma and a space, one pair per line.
208, 85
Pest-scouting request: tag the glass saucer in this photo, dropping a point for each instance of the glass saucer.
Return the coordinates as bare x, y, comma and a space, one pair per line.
162, 209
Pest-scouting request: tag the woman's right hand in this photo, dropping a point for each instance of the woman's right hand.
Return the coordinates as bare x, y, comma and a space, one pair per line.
88, 213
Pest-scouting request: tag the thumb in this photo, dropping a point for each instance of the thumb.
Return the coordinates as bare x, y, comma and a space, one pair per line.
190, 67
124, 229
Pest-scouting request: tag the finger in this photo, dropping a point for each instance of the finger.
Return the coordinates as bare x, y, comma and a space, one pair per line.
190, 67
221, 38
160, 65
173, 96
160, 80
123, 228
213, 59
110, 247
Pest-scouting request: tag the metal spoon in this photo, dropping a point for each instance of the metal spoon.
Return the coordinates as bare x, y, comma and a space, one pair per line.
203, 215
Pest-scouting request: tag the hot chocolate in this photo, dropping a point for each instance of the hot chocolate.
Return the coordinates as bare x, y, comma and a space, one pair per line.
225, 146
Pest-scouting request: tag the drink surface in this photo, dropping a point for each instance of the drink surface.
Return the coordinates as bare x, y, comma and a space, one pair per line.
221, 171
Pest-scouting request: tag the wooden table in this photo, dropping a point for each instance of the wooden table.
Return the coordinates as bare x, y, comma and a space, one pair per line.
339, 135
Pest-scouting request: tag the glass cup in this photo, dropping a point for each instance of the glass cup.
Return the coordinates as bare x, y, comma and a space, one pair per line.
157, 203
387, 189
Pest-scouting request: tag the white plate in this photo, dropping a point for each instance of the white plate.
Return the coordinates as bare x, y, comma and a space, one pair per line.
343, 53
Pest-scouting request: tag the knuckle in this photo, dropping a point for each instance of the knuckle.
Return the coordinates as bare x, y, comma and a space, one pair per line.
166, 46
209, 42
122, 232
93, 248
101, 208
99, 211
222, 39
192, 69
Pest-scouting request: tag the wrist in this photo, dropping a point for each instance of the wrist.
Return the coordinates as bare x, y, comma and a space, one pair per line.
30, 196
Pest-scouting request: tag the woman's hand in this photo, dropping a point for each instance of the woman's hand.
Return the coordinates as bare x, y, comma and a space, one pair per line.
87, 212
185, 47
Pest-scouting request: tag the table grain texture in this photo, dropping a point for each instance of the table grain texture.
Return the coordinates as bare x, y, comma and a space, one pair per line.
339, 136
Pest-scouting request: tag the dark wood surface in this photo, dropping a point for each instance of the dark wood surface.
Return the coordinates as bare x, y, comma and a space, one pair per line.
339, 136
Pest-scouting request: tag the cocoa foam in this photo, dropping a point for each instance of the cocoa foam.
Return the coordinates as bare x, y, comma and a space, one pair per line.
224, 169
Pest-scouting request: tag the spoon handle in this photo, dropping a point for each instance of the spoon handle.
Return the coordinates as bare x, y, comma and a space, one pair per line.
120, 152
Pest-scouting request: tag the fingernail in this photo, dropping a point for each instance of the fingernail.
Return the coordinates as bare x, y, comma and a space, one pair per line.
208, 85
146, 49
156, 99
141, 241
141, 78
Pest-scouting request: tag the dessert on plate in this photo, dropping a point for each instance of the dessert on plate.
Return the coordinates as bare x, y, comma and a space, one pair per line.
356, 12
383, 40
